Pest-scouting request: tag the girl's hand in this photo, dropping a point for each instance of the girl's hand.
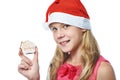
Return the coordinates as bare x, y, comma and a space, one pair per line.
29, 68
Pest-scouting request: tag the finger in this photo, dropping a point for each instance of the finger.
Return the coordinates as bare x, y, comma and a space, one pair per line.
22, 68
27, 66
24, 58
20, 52
35, 59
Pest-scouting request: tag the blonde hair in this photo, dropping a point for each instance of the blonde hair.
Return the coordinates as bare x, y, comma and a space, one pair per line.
90, 55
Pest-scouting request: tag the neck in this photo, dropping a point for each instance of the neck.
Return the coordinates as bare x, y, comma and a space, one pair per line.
75, 58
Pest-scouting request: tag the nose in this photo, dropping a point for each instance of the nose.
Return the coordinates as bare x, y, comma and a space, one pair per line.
60, 34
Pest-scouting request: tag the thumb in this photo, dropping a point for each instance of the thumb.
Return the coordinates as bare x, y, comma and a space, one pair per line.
35, 59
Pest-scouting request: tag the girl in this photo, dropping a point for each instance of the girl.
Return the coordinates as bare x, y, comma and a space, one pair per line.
77, 55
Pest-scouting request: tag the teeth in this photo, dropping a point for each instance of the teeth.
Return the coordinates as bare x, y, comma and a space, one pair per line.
64, 42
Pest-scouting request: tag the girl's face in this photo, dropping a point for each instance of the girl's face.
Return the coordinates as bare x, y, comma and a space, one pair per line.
67, 37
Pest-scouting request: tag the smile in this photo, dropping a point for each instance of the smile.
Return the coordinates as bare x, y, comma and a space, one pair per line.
63, 43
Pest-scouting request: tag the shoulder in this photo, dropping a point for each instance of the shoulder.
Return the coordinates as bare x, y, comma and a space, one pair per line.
105, 72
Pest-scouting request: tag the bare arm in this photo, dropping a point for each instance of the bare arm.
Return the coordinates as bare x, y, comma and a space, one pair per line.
105, 72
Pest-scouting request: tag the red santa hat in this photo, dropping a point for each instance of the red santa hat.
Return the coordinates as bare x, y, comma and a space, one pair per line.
70, 12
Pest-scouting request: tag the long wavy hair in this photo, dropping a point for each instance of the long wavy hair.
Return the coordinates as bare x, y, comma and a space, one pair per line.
90, 54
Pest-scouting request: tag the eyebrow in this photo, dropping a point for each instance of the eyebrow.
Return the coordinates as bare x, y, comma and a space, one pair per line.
51, 25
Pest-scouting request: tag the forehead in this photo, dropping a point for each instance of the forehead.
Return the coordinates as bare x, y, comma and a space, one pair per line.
56, 24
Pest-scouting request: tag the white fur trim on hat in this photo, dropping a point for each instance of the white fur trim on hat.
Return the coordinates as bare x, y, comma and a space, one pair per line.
77, 21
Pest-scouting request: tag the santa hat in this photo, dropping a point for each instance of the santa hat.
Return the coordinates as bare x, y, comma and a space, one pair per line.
70, 12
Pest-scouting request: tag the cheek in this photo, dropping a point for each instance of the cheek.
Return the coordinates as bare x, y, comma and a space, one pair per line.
54, 37
77, 37
71, 34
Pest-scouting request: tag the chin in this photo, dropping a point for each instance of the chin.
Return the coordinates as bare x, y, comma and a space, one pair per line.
65, 51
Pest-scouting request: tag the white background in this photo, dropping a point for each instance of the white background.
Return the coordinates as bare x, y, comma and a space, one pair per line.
23, 19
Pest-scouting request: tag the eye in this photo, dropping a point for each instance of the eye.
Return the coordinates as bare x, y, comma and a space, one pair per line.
53, 29
66, 26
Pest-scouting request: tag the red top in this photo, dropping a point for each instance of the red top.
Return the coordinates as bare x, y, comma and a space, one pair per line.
70, 72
